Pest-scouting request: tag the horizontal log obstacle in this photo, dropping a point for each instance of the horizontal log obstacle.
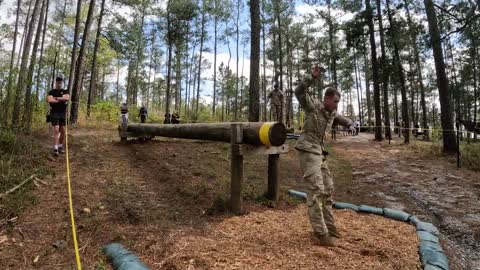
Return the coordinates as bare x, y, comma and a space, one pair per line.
254, 133
245, 138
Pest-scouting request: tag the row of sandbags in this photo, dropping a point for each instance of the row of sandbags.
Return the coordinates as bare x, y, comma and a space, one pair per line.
431, 253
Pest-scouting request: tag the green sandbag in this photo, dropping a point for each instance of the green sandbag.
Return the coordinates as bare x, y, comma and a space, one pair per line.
429, 246
426, 236
431, 267
414, 220
113, 250
427, 227
435, 258
122, 259
395, 214
119, 260
341, 205
371, 210
132, 266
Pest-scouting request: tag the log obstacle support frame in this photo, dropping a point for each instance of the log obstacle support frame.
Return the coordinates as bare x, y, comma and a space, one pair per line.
238, 150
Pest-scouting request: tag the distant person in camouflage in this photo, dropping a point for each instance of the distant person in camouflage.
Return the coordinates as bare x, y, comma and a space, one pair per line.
317, 178
276, 102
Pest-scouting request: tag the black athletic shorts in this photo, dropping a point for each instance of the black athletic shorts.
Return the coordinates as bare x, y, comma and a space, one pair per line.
57, 119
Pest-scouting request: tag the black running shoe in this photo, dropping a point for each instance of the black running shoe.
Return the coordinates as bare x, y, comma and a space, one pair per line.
55, 153
60, 150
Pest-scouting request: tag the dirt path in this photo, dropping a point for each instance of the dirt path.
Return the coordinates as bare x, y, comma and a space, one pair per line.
143, 195
430, 187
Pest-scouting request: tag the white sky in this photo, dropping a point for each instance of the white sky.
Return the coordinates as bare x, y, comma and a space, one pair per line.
8, 8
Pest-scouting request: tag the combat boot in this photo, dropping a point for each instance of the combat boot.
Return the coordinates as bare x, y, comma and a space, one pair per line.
334, 233
324, 240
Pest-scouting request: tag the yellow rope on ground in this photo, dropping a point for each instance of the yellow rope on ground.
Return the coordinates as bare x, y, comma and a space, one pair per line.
70, 200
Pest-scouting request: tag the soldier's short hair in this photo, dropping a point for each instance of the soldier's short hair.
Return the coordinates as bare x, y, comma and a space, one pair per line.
330, 92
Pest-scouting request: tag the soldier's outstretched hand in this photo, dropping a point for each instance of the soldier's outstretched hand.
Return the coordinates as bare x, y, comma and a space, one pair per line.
317, 71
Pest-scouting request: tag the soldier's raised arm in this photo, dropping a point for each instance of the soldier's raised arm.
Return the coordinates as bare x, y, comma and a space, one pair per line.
305, 100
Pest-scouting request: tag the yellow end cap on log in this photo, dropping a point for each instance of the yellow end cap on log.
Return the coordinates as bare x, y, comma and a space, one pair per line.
264, 132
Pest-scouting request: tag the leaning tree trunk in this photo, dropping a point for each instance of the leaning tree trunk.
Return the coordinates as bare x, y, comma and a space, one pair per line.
254, 97
376, 85
79, 70
385, 72
93, 74
22, 75
28, 110
449, 138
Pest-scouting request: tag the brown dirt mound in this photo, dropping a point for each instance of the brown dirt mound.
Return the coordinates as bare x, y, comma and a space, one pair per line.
283, 240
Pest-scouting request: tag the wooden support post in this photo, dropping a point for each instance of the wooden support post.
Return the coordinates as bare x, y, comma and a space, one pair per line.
236, 170
123, 129
273, 183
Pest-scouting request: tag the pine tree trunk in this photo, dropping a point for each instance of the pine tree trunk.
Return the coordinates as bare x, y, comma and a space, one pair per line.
215, 63
385, 73
75, 45
11, 77
79, 70
202, 34
358, 86
264, 78
399, 71
238, 40
254, 89
40, 62
28, 110
22, 75
419, 67
333, 51
475, 86
376, 85
367, 86
280, 60
169, 62
449, 145
93, 73
25, 31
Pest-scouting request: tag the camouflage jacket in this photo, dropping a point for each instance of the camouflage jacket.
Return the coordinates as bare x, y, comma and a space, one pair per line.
318, 121
276, 97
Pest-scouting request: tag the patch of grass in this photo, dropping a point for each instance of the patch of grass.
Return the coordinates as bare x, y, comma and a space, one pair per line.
219, 205
341, 170
469, 152
470, 155
20, 157
123, 198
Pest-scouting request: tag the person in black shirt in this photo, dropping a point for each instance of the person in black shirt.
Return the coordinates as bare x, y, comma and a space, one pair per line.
58, 99
143, 114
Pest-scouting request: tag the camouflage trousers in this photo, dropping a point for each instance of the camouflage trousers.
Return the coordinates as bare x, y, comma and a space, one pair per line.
318, 184
276, 112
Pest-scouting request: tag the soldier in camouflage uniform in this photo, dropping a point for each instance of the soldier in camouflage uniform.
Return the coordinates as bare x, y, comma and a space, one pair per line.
276, 101
312, 155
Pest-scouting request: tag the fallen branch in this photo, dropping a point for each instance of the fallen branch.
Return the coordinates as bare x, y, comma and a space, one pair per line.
16, 187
